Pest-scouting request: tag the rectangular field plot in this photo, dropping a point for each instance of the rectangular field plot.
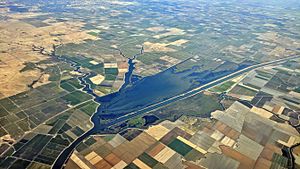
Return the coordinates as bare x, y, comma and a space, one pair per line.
241, 90
33, 147
223, 87
180, 147
76, 97
148, 160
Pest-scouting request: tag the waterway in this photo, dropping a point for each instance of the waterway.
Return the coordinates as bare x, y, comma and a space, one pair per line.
95, 118
137, 94
149, 93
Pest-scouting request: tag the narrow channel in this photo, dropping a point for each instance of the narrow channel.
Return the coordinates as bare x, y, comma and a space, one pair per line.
59, 163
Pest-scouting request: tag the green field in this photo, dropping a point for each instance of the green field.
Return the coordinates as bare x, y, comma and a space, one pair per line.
136, 122
180, 147
200, 105
90, 108
33, 147
76, 97
112, 71
223, 87
93, 34
147, 159
243, 91
279, 161
68, 87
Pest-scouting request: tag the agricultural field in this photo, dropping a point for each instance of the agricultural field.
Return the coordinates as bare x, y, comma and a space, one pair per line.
49, 137
45, 119
255, 130
192, 141
70, 67
20, 66
223, 87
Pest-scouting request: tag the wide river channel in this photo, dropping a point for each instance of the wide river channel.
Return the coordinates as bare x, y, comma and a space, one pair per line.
142, 95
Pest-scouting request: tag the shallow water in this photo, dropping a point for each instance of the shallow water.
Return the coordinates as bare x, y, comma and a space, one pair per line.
139, 94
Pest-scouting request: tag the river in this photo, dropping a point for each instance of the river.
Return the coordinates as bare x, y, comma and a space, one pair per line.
149, 93
138, 96
95, 118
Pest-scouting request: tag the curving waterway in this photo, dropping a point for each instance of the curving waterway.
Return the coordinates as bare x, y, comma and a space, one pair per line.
137, 96
95, 118
140, 96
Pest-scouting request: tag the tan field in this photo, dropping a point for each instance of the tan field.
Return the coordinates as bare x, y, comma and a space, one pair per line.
97, 79
13, 81
164, 155
79, 162
156, 29
163, 47
17, 16
157, 131
278, 51
110, 65
44, 79
171, 31
262, 112
157, 47
179, 42
169, 59
17, 41
141, 164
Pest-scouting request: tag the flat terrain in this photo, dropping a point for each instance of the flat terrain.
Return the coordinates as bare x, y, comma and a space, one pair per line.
250, 134
23, 44
63, 60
